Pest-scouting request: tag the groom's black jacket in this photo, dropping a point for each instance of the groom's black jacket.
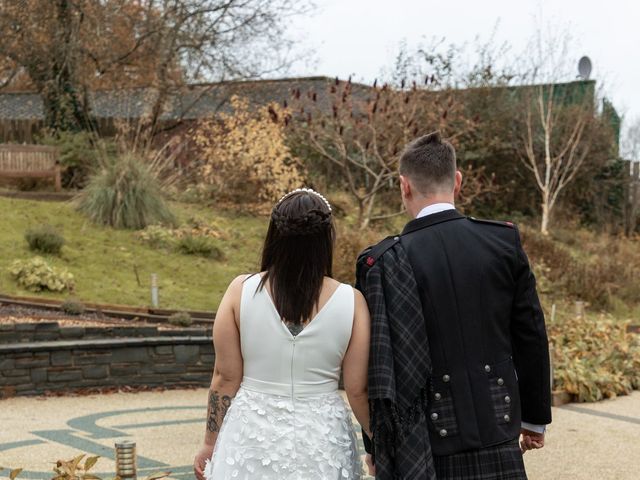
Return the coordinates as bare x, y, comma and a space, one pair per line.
485, 328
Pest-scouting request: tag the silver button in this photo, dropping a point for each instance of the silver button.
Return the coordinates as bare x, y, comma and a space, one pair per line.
507, 399
500, 381
446, 378
487, 368
507, 418
437, 396
434, 416
396, 238
443, 433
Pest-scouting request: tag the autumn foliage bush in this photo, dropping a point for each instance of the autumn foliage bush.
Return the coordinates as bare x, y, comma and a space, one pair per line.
599, 269
595, 358
244, 157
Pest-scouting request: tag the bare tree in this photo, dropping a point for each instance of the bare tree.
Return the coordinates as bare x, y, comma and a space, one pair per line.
361, 130
556, 119
554, 142
67, 47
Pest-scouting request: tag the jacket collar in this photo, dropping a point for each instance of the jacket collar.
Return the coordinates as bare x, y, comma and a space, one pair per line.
420, 223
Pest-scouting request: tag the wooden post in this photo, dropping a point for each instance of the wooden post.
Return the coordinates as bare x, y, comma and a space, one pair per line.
58, 177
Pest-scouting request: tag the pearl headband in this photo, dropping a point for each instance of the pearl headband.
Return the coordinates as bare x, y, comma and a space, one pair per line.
306, 190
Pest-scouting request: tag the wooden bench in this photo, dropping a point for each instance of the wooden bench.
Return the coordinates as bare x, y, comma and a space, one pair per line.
32, 161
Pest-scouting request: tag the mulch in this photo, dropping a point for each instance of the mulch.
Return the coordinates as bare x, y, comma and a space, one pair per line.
10, 314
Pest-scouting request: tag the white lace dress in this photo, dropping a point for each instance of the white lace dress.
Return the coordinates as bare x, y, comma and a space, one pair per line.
288, 420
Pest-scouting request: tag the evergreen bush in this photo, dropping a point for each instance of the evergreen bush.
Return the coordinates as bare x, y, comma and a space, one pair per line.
44, 239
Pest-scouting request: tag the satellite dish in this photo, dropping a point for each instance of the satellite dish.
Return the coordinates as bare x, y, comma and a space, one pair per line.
584, 68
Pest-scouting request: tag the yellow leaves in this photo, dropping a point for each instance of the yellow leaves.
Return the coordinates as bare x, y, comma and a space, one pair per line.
14, 473
595, 358
245, 155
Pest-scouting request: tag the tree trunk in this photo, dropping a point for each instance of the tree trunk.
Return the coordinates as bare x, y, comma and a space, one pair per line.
63, 108
546, 213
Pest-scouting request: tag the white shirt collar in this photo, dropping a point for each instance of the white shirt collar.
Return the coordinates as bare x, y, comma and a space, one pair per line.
435, 208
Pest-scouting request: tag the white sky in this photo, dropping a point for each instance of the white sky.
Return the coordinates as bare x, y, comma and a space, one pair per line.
361, 37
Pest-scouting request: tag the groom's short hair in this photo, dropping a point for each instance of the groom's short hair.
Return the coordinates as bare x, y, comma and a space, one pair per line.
430, 163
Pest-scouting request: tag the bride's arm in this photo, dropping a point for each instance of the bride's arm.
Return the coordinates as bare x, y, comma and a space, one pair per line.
227, 370
356, 363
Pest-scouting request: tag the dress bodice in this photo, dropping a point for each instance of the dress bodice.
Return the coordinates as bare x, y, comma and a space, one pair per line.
277, 362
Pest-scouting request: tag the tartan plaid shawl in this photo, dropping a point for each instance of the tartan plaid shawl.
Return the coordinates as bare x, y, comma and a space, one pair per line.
399, 364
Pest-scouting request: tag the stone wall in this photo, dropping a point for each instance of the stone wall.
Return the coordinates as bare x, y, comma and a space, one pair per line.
37, 358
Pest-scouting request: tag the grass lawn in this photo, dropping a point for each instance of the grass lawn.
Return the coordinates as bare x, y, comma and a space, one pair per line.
103, 260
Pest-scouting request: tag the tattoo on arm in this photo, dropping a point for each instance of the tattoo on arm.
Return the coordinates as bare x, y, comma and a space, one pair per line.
218, 406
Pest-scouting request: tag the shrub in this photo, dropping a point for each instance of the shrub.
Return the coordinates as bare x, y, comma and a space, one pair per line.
595, 358
79, 154
36, 275
198, 245
245, 157
181, 319
72, 307
44, 239
601, 270
157, 236
125, 193
350, 242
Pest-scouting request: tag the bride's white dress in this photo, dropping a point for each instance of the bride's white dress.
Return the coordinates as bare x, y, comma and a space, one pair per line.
288, 420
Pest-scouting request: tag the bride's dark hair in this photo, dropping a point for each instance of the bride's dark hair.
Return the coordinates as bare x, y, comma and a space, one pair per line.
298, 254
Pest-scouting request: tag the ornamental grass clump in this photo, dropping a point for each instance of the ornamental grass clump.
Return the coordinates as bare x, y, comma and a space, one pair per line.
44, 239
595, 359
37, 275
126, 192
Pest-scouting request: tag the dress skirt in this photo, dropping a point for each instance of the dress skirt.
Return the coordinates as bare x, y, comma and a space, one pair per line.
266, 436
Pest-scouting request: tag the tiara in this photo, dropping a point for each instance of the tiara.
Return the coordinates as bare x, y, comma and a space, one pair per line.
306, 190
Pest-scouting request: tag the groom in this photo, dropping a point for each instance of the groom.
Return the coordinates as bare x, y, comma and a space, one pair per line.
485, 327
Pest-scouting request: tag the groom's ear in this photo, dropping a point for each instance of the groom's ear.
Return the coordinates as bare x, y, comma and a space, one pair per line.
405, 187
458, 184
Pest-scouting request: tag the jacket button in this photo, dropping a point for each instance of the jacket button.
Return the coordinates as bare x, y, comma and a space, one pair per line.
446, 378
487, 368
437, 396
434, 416
500, 381
507, 418
396, 238
507, 399
443, 433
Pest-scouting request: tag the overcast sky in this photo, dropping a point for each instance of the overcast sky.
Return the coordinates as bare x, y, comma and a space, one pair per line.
361, 37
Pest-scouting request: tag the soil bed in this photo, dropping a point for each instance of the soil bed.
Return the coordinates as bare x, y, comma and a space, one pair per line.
10, 314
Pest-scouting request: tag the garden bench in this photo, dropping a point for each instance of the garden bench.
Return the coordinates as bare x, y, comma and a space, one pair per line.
32, 161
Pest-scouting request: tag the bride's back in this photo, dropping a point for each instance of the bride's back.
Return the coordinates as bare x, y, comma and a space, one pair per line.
279, 363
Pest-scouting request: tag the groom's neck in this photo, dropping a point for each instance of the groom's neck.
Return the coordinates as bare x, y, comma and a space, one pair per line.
423, 203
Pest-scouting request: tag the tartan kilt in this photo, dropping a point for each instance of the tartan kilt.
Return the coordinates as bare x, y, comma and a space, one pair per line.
500, 462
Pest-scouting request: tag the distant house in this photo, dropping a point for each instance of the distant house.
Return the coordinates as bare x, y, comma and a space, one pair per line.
22, 117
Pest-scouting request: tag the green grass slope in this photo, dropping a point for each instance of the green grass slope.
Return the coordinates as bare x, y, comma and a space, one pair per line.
103, 260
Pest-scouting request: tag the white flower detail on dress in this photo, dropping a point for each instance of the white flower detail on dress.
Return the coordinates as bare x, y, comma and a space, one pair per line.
282, 438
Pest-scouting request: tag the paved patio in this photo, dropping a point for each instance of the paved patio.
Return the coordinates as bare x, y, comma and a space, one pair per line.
587, 441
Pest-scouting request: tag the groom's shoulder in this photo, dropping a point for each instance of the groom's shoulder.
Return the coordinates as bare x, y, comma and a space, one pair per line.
371, 254
499, 223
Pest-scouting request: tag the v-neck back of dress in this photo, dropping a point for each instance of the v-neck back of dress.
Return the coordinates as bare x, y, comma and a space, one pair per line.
277, 362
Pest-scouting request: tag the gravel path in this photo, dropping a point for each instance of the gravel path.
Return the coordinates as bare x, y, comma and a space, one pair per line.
585, 442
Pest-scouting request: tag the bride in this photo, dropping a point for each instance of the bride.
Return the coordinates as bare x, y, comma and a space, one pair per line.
282, 338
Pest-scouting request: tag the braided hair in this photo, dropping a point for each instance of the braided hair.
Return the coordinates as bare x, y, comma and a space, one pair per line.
298, 253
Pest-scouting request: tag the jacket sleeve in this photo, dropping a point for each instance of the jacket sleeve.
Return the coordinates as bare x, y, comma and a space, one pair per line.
367, 442
530, 344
